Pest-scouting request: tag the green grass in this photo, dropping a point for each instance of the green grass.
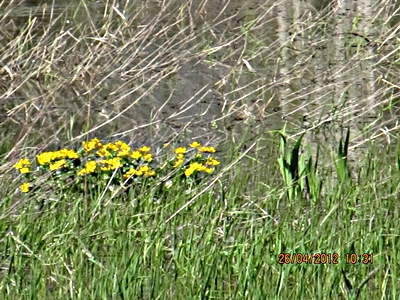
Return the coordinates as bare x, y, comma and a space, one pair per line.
224, 245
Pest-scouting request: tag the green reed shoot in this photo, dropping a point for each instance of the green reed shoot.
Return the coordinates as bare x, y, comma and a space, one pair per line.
341, 164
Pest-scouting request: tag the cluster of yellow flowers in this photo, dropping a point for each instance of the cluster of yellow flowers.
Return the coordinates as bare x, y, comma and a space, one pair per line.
23, 166
56, 156
90, 167
95, 157
143, 171
209, 162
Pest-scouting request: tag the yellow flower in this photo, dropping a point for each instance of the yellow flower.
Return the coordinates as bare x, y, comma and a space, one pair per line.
123, 153
121, 144
194, 167
62, 153
58, 155
148, 157
83, 172
89, 146
136, 155
149, 173
209, 170
130, 172
212, 162
124, 147
103, 151
144, 168
22, 163
45, 157
24, 170
111, 164
144, 149
57, 164
189, 171
201, 167
96, 141
24, 187
180, 156
69, 153
180, 150
194, 145
178, 163
206, 149
90, 167
110, 146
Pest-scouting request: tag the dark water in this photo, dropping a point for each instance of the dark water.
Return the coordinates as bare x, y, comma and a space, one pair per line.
209, 70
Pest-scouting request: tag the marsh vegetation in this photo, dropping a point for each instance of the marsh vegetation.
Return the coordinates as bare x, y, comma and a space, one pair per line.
300, 98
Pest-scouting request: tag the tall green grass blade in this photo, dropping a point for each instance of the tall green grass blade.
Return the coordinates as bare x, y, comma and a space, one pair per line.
341, 166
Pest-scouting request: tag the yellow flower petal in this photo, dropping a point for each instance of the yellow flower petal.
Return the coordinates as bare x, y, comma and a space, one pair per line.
24, 162
24, 170
24, 187
57, 164
189, 171
180, 150
144, 168
150, 173
178, 163
148, 157
130, 172
194, 145
144, 149
136, 155
206, 149
212, 162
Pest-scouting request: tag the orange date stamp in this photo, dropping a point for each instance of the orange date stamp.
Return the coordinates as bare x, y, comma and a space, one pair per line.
324, 258
308, 258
